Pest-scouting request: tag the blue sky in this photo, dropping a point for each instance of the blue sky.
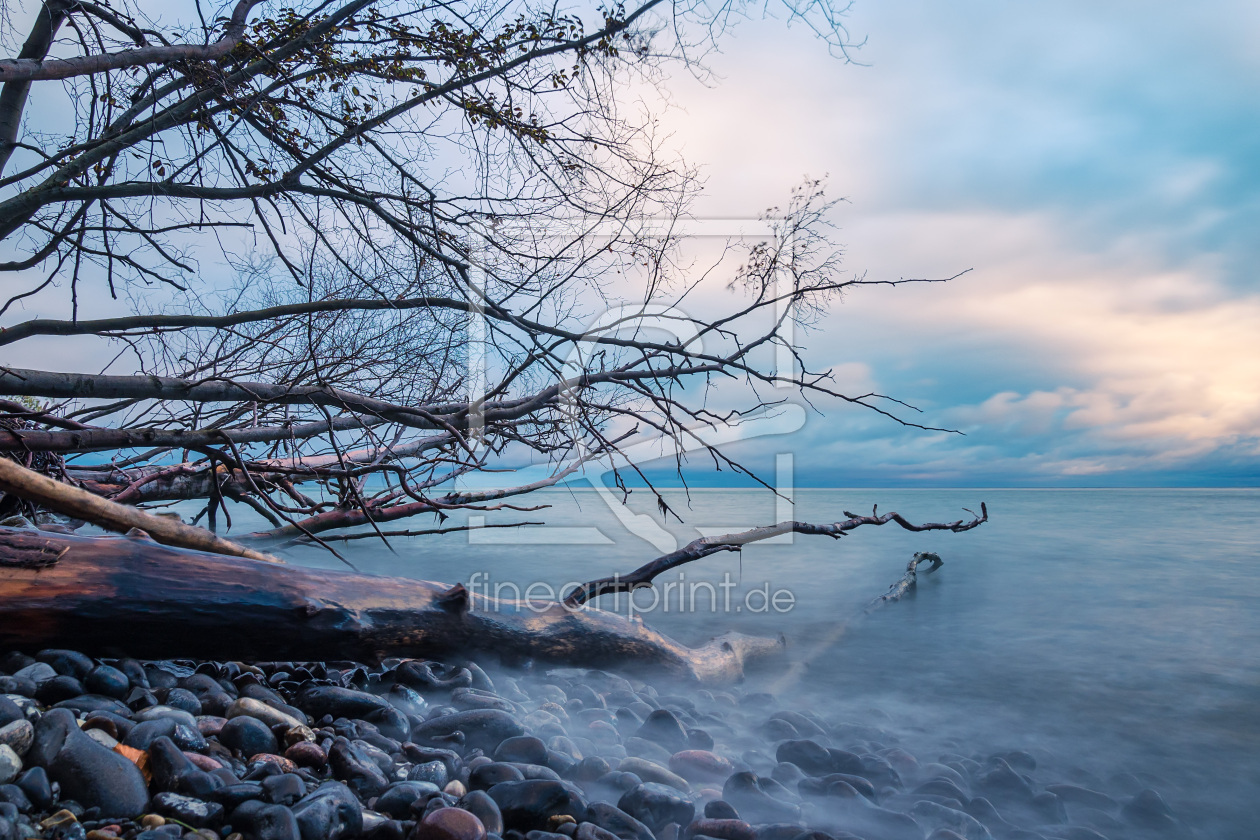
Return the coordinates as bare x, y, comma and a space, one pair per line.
1096, 165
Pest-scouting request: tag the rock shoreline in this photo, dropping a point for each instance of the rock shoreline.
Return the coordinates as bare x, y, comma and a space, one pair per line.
418, 750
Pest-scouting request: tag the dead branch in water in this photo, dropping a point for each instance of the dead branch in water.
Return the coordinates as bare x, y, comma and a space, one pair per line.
703, 547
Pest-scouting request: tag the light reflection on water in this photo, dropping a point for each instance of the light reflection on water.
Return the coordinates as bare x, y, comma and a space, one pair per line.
1106, 630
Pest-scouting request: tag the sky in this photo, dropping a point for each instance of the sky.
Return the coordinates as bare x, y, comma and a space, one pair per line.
1095, 165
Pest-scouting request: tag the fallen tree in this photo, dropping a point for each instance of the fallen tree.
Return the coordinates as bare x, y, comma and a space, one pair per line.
130, 595
340, 256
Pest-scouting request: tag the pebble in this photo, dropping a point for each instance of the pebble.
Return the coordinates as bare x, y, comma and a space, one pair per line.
528, 805
187, 809
411, 750
88, 773
330, 812
450, 824
271, 717
700, 766
248, 736
17, 736
10, 764
166, 712
486, 810
650, 771
656, 805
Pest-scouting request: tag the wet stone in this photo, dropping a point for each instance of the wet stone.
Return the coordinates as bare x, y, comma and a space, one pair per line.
87, 772
145, 733
618, 822
528, 805
449, 824
435, 773
273, 822
109, 681
9, 711
720, 809
479, 803
307, 754
339, 702
650, 771
188, 738
15, 796
350, 765
284, 788
524, 749
482, 729
168, 764
248, 736
330, 812
808, 755
396, 802
162, 711
663, 728
700, 766
655, 805
57, 689
69, 662
231, 796
10, 764
746, 792
184, 700
189, 810
650, 750
35, 784
37, 673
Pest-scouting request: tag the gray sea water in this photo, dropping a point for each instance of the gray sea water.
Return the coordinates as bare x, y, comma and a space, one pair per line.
1104, 631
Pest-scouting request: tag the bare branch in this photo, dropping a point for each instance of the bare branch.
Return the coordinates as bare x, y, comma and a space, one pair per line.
703, 547
39, 69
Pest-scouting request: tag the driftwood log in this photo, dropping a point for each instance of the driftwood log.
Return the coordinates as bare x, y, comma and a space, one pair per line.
116, 595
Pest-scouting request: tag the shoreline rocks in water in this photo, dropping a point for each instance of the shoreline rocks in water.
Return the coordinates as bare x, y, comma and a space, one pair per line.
413, 750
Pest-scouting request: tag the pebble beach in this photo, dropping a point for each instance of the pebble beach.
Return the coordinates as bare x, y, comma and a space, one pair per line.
418, 750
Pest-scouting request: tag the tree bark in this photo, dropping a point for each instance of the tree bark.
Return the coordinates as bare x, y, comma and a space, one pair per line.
129, 595
80, 504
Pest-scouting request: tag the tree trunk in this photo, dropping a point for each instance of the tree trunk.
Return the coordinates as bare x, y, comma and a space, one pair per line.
130, 595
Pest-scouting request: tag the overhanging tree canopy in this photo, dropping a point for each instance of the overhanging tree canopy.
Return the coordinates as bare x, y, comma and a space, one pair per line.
364, 248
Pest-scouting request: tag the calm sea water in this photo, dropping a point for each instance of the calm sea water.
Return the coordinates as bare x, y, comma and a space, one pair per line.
1106, 631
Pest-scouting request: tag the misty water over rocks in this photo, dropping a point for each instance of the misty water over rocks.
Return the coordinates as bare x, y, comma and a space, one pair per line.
1105, 632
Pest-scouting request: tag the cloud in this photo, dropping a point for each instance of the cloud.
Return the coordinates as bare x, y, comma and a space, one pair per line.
1097, 165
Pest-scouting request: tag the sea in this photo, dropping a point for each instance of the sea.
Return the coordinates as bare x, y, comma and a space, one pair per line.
1104, 631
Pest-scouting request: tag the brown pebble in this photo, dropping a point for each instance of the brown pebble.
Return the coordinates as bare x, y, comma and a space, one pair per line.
450, 824
62, 817
102, 834
235, 835
209, 725
202, 762
307, 754
152, 821
558, 820
286, 765
455, 788
297, 735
